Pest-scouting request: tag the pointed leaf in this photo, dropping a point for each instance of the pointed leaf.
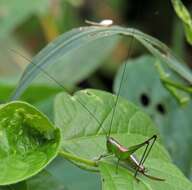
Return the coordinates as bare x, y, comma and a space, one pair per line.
82, 38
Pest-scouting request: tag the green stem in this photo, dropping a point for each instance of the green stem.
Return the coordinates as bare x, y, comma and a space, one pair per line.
177, 85
72, 157
172, 86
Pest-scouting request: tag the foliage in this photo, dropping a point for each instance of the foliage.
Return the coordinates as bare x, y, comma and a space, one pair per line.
185, 17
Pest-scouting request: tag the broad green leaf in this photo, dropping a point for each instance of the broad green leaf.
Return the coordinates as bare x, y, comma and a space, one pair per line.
185, 16
82, 37
85, 60
83, 135
28, 142
142, 86
11, 15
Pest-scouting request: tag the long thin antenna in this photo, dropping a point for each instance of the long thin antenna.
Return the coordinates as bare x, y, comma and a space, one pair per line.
121, 82
124, 71
59, 84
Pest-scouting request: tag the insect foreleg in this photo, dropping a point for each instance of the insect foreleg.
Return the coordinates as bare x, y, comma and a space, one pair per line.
104, 156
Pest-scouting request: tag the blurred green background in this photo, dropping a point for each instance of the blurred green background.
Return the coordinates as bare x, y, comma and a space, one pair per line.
27, 26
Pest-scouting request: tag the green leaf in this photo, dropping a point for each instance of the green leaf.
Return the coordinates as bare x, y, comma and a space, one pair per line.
11, 15
82, 134
85, 60
185, 17
82, 37
28, 142
142, 83
85, 138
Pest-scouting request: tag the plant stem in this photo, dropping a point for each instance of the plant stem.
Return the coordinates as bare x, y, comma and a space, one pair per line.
177, 85
70, 156
172, 86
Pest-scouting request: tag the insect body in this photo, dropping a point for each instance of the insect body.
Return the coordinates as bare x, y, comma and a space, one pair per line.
125, 154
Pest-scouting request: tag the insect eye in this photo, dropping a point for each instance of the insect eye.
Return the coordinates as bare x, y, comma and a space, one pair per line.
144, 99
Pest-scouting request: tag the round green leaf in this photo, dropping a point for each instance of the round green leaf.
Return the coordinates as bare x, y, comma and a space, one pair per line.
28, 142
85, 138
142, 83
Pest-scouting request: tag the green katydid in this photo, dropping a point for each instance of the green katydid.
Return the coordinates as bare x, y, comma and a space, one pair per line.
125, 154
121, 152
115, 148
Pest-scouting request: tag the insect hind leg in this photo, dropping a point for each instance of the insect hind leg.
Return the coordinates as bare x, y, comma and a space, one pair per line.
146, 152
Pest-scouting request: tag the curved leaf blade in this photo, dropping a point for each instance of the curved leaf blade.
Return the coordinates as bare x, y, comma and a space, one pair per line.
76, 38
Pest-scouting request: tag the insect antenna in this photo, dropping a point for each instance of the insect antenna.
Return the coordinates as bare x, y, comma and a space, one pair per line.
59, 84
120, 86
124, 70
